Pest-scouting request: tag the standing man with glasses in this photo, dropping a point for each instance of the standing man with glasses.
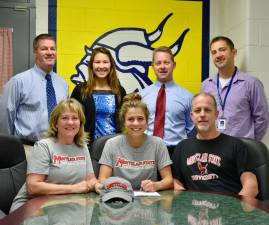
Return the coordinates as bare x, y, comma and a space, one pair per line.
169, 104
241, 101
29, 97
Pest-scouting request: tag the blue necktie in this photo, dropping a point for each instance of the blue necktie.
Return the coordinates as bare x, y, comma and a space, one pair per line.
51, 98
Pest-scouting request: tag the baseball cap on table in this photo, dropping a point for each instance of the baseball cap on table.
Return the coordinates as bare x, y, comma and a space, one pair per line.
117, 188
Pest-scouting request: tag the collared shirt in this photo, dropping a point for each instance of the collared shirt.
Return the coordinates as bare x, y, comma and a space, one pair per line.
246, 109
178, 123
24, 103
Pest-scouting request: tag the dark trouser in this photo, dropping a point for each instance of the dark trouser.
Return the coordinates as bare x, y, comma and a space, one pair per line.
171, 150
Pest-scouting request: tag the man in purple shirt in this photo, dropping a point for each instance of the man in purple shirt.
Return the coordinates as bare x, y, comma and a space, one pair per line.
240, 97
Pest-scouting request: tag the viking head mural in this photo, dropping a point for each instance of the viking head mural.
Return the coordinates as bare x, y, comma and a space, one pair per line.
132, 51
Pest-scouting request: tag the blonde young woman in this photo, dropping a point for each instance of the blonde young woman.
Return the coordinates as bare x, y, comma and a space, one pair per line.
59, 163
101, 95
134, 155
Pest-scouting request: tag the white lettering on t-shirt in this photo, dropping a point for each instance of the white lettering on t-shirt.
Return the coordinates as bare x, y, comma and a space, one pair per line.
211, 176
204, 158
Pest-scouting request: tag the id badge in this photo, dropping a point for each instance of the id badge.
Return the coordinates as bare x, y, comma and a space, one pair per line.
222, 124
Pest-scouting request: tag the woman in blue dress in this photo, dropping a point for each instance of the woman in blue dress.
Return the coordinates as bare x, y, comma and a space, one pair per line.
101, 95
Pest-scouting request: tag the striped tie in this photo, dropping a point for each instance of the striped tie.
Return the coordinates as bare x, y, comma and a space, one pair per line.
51, 98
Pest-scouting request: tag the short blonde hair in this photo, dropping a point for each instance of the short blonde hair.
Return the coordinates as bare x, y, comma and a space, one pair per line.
163, 49
132, 100
72, 105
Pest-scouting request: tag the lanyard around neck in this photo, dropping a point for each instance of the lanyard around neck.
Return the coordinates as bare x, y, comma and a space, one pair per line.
222, 103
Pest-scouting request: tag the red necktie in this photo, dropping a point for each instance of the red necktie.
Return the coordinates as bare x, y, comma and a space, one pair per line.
160, 113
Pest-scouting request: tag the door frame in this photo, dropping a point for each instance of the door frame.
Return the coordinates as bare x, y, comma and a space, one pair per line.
25, 5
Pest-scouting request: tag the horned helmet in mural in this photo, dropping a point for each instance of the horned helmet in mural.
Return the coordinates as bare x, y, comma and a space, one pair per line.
132, 52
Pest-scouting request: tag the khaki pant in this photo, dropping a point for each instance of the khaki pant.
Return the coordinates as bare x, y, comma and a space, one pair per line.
27, 149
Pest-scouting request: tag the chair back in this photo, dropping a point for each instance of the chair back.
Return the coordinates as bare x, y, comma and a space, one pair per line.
13, 167
96, 151
258, 158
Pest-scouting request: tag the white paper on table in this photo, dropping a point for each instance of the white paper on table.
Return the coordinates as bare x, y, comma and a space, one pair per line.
143, 193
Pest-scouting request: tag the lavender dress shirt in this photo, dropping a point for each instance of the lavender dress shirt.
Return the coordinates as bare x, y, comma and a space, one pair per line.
246, 109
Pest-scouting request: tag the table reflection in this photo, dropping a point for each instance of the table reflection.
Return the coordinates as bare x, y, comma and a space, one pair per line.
214, 209
65, 209
141, 211
170, 208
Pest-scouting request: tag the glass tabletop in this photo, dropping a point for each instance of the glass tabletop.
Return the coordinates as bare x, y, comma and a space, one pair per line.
170, 208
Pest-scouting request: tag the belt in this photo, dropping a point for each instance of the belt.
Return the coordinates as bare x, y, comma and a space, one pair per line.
27, 142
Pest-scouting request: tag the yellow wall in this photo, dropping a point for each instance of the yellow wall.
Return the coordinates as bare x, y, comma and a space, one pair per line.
81, 22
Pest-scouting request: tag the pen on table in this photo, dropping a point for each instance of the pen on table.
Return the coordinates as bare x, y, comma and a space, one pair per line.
143, 181
141, 189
